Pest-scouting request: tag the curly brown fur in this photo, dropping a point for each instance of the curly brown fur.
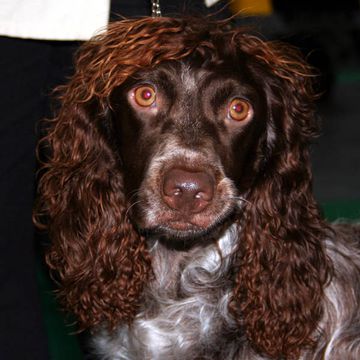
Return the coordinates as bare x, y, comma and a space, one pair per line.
127, 257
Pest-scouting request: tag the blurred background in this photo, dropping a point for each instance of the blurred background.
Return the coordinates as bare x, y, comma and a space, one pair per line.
328, 34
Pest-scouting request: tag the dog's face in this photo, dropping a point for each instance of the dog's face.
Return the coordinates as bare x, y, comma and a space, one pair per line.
188, 138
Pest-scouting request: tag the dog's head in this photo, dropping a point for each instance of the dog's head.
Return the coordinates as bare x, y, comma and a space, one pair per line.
176, 127
189, 133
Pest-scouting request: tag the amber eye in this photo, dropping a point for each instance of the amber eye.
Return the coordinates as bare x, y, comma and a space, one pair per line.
239, 110
145, 95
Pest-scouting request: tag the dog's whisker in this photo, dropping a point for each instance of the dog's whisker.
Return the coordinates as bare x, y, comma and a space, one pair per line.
131, 206
240, 198
133, 193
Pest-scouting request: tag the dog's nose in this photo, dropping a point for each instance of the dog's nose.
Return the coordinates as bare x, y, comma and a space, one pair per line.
189, 192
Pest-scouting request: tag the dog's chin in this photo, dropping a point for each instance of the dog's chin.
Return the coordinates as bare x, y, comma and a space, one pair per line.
184, 235
179, 231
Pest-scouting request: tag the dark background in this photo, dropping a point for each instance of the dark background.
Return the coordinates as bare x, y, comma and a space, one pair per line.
328, 34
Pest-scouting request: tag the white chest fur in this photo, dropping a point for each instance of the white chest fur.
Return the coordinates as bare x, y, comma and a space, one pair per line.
185, 308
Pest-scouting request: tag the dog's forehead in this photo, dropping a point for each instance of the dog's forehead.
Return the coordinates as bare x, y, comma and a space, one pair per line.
189, 80
189, 77
191, 74
203, 80
184, 72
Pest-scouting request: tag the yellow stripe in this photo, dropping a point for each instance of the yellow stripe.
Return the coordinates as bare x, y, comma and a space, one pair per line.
251, 7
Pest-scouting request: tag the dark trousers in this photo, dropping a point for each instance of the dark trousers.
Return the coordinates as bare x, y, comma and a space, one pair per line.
28, 70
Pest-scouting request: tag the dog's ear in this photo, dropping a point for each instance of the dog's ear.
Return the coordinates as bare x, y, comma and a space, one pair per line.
99, 260
282, 263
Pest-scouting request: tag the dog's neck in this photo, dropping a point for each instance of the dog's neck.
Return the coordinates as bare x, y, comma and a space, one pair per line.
175, 268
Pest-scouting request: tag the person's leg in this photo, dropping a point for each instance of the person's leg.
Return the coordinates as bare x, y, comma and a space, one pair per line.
23, 70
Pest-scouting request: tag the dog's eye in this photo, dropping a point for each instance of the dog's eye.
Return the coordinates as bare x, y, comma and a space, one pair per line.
145, 95
239, 109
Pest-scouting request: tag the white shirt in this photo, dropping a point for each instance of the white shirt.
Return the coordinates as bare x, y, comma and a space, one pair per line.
53, 19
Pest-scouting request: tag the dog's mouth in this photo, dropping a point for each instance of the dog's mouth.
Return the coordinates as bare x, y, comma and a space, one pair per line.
187, 232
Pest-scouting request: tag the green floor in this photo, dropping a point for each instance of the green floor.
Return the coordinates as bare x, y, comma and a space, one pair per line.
62, 341
63, 344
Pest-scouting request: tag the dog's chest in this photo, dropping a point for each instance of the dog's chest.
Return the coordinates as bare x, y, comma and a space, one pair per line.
185, 310
186, 305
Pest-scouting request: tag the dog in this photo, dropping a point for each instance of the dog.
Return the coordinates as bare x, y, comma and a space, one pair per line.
177, 194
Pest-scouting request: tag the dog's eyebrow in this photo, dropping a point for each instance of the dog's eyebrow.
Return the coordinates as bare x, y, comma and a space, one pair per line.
222, 90
220, 95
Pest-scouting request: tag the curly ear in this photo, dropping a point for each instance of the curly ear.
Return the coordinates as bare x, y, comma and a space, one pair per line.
100, 261
282, 263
